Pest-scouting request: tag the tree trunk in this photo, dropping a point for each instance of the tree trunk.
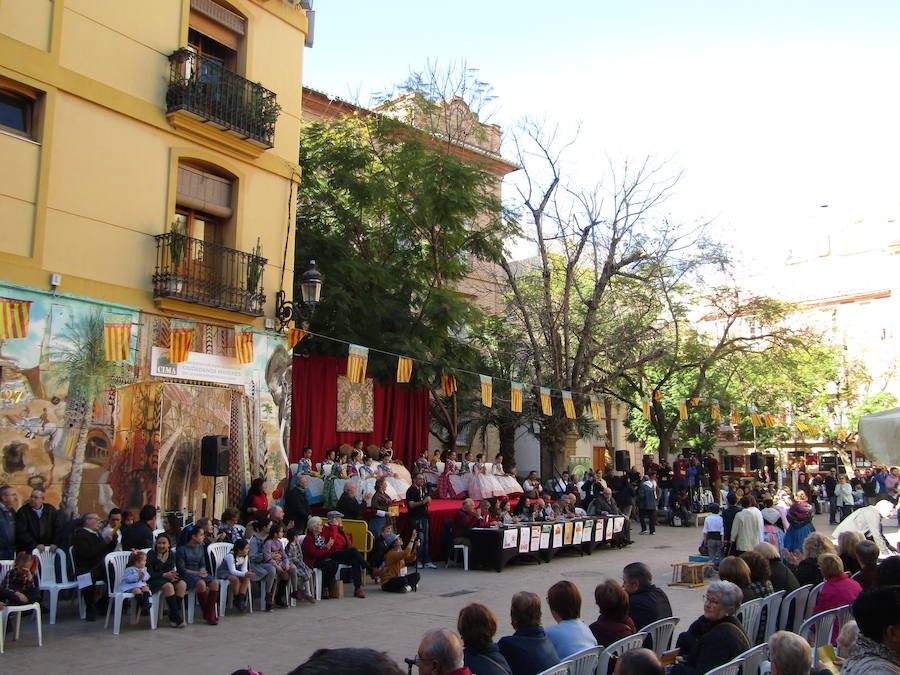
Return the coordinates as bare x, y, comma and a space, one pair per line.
553, 442
507, 436
69, 505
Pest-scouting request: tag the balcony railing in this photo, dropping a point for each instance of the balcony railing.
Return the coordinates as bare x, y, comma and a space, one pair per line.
204, 89
208, 274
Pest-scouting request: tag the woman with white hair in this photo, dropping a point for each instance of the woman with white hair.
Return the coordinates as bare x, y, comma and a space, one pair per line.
716, 637
789, 654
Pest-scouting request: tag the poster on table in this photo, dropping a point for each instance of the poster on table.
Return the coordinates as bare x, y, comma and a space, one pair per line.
618, 524
524, 539
569, 531
511, 537
588, 530
598, 530
610, 522
557, 535
545, 536
579, 531
535, 537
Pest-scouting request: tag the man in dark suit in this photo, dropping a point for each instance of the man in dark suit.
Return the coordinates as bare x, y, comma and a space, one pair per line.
417, 501
646, 603
38, 524
296, 504
89, 549
606, 504
140, 534
728, 518
348, 504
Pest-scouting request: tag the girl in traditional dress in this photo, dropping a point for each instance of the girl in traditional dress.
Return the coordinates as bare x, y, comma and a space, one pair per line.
315, 486
800, 517
445, 488
481, 484
331, 471
397, 487
509, 484
460, 483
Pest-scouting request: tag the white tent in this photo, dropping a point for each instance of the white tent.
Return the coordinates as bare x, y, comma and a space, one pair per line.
879, 435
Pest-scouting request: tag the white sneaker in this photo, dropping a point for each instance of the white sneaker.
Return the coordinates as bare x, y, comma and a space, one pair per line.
407, 589
430, 565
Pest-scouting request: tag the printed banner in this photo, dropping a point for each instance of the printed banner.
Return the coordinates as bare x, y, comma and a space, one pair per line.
645, 408
535, 537
682, 409
117, 336
404, 369
557, 535
715, 411
487, 391
181, 337
294, 336
14, 318
243, 344
515, 403
511, 537
735, 417
545, 536
357, 360
546, 405
595, 407
448, 384
568, 405
579, 531
524, 539
769, 420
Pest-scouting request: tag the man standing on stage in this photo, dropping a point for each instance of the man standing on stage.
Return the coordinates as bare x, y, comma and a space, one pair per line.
417, 501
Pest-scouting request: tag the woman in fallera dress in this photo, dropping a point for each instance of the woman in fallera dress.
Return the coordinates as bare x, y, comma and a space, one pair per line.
445, 488
461, 482
481, 484
509, 483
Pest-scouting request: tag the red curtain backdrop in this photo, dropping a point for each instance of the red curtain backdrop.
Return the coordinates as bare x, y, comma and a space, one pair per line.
401, 413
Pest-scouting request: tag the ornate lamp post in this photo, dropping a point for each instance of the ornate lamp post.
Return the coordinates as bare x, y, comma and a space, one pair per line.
302, 311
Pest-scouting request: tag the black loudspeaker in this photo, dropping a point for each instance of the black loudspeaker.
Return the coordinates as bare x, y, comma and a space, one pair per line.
755, 461
622, 460
214, 456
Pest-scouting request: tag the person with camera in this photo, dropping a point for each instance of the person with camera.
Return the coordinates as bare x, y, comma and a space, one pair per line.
395, 560
417, 501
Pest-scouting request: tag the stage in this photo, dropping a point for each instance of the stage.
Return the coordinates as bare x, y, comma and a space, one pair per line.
439, 512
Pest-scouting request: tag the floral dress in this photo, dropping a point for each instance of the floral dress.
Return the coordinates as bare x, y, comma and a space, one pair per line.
445, 489
294, 554
329, 496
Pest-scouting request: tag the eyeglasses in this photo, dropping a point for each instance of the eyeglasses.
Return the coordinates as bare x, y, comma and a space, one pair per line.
711, 600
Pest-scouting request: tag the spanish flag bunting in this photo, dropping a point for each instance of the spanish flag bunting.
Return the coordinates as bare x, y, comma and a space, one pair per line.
243, 344
754, 416
448, 384
645, 408
294, 336
735, 417
842, 434
14, 318
357, 360
546, 405
487, 391
117, 336
657, 395
515, 401
682, 409
715, 411
695, 401
595, 407
404, 369
768, 420
568, 405
181, 337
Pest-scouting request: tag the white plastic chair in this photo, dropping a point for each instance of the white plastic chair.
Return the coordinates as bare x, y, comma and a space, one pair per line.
749, 614
823, 625
796, 599
618, 648
48, 581
754, 658
217, 552
454, 558
115, 564
585, 661
772, 604
730, 668
17, 610
558, 669
812, 600
661, 634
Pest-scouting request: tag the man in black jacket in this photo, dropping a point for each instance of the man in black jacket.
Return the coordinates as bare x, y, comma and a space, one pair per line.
89, 551
646, 603
348, 504
37, 524
728, 518
831, 481
140, 534
606, 505
296, 504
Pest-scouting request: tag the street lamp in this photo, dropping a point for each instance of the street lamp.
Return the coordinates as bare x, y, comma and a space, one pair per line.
310, 292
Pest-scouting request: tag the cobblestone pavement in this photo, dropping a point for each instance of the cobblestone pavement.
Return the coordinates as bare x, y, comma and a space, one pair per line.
276, 642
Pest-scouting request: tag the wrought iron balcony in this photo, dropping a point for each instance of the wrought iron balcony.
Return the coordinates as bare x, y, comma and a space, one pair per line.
204, 89
208, 274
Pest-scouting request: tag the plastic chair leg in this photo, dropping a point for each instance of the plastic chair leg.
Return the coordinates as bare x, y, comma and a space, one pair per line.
37, 624
154, 603
117, 616
4, 617
54, 601
18, 625
223, 595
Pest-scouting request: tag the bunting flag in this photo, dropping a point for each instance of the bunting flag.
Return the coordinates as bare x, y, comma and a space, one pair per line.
682, 409
802, 426
769, 420
243, 344
754, 416
715, 411
117, 336
695, 401
595, 407
568, 405
448, 384
357, 360
645, 408
181, 337
404, 369
546, 405
735, 417
487, 391
657, 395
14, 318
515, 399
294, 336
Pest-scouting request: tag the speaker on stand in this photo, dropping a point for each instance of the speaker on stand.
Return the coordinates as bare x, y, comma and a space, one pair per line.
755, 461
214, 451
622, 457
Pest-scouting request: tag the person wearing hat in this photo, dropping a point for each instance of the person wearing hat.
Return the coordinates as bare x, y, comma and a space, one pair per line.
395, 559
343, 552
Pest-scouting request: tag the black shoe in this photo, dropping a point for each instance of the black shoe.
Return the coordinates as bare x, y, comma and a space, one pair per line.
87, 617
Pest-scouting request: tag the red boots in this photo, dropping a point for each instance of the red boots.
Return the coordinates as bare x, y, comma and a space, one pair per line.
207, 600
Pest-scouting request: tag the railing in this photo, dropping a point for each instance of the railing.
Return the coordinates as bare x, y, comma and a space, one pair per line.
203, 88
209, 274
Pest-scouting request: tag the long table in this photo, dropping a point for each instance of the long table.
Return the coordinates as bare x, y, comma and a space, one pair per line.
494, 547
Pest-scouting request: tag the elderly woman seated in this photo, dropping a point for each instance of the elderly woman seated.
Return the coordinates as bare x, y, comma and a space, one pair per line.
716, 637
877, 649
613, 623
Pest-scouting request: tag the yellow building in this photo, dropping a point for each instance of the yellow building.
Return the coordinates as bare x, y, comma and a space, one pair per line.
150, 163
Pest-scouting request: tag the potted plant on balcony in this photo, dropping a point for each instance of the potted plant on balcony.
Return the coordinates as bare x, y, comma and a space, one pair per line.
176, 254
254, 274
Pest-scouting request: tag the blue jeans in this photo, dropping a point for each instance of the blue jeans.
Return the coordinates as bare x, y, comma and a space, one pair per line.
832, 510
714, 548
422, 527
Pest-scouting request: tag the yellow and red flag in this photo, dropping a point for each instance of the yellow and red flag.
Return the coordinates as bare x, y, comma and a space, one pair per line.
448, 385
294, 336
568, 405
243, 344
181, 337
695, 401
754, 416
735, 417
768, 420
117, 336
682, 409
14, 318
657, 395
404, 369
487, 390
515, 402
715, 411
645, 408
595, 407
546, 405
357, 360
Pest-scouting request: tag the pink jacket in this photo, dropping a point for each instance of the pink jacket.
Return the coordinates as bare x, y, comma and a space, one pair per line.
837, 592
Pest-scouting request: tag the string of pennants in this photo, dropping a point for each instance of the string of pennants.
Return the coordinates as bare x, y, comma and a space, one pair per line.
14, 317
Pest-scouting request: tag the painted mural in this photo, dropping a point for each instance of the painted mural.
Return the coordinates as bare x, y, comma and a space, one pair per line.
131, 480
272, 372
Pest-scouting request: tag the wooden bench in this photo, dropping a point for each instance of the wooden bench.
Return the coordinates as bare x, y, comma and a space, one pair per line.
689, 574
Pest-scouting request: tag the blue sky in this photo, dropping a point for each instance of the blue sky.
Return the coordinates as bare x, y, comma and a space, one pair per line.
771, 108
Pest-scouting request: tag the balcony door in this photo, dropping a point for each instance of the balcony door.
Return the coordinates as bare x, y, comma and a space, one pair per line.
204, 273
